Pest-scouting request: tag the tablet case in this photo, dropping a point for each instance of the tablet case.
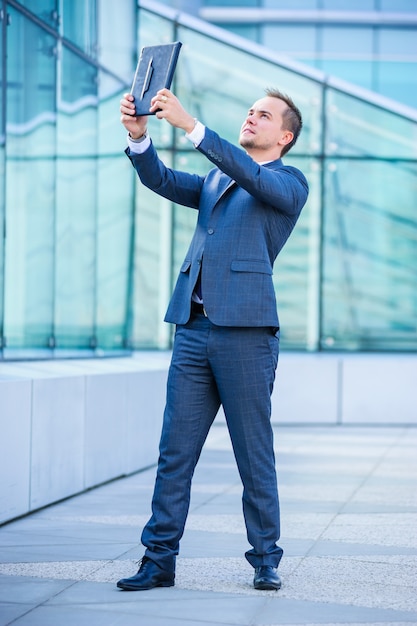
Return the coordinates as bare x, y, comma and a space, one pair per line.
154, 71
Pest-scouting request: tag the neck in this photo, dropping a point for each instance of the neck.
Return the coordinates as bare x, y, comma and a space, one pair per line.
260, 156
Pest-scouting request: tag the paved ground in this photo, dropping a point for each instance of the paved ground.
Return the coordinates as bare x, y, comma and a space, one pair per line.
349, 532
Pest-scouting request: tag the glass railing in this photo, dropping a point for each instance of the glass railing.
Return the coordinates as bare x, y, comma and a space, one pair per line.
89, 257
347, 277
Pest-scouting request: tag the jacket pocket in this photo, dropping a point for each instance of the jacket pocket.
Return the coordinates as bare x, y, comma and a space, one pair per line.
251, 265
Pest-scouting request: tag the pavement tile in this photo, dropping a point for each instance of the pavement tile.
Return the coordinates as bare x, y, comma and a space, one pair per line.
348, 499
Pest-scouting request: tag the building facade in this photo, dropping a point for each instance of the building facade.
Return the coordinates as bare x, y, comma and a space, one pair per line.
370, 43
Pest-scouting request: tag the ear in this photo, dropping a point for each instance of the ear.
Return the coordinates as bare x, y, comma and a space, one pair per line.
286, 138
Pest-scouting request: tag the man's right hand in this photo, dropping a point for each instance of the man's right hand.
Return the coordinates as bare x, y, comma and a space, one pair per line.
135, 125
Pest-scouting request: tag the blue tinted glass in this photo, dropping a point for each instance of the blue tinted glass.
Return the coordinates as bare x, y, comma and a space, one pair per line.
370, 255
351, 5
79, 24
249, 32
397, 81
295, 40
338, 40
398, 6
76, 215
47, 10
297, 269
30, 185
152, 280
357, 127
394, 42
230, 3
291, 4
115, 227
361, 73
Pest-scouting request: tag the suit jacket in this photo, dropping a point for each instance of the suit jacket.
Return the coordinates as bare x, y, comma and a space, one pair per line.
246, 213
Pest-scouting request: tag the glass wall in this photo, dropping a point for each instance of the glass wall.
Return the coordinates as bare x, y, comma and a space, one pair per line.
347, 278
370, 227
89, 257
67, 250
371, 43
30, 184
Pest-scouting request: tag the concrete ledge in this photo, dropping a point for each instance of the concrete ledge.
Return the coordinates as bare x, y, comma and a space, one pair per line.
346, 389
67, 426
71, 425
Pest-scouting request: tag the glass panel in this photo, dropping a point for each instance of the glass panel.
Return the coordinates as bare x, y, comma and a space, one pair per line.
299, 41
396, 71
398, 6
47, 10
30, 185
117, 53
231, 3
292, 4
352, 5
208, 74
152, 280
114, 222
370, 256
356, 127
76, 219
297, 269
397, 41
338, 40
213, 75
360, 73
244, 30
397, 80
79, 24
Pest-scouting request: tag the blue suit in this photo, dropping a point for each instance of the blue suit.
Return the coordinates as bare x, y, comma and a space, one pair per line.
246, 212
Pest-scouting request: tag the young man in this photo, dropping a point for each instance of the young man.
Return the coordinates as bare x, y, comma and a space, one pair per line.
227, 330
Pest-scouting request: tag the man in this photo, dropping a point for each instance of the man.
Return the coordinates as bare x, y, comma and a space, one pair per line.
227, 330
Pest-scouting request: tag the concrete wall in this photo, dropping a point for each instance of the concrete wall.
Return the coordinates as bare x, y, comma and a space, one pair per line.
70, 425
346, 389
67, 426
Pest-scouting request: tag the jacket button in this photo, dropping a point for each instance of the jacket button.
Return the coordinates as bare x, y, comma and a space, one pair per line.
210, 231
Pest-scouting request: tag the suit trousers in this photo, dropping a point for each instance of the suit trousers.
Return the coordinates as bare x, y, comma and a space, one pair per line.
212, 366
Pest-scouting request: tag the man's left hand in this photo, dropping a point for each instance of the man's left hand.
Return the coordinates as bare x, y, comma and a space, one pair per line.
168, 107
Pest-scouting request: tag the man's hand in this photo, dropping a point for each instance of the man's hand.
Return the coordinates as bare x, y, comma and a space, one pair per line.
135, 125
167, 106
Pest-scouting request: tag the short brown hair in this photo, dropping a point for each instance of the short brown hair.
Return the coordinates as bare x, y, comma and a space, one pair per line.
292, 116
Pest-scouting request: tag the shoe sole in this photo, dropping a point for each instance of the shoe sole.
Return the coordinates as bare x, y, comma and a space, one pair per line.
134, 588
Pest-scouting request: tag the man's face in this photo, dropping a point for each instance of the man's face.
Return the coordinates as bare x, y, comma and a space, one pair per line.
263, 126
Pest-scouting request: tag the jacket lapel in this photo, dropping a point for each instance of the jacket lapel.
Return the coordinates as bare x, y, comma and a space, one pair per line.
226, 184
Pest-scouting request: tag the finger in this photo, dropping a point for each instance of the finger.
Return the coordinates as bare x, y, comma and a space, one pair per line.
156, 100
156, 105
127, 108
127, 103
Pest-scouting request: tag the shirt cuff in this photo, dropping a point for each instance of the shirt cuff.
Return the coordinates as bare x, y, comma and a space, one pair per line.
139, 145
197, 134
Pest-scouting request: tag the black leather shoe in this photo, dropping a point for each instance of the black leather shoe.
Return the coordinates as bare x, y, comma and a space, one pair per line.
266, 578
149, 575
